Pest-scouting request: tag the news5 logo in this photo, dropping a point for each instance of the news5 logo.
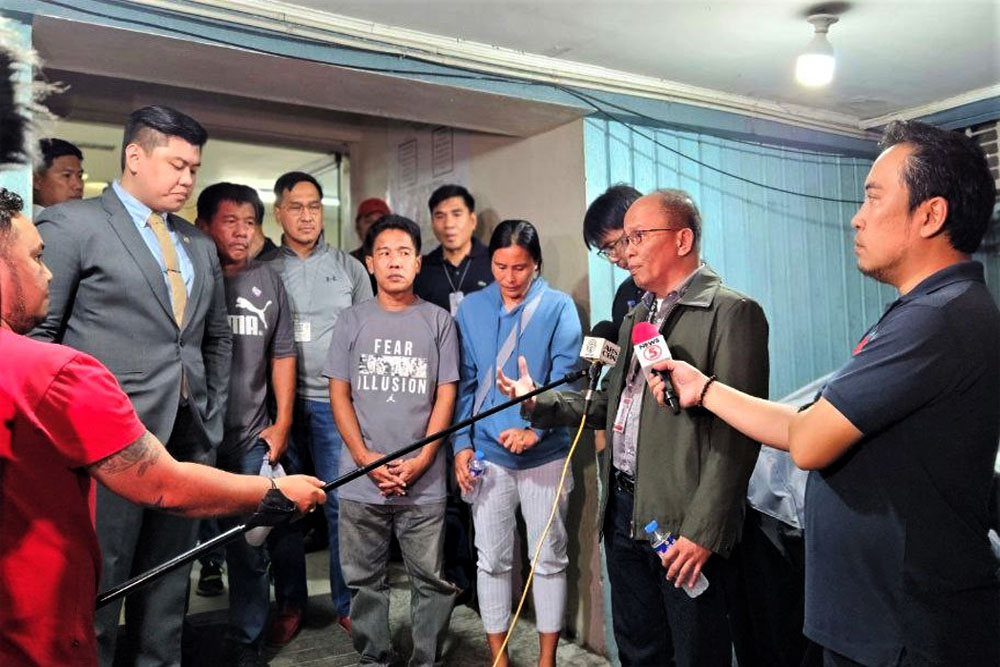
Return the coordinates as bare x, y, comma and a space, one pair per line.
652, 350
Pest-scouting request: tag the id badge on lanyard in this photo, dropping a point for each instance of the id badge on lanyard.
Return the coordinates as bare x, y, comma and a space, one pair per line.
624, 407
455, 298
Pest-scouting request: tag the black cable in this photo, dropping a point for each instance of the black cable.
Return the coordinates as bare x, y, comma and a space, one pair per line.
708, 166
658, 121
471, 75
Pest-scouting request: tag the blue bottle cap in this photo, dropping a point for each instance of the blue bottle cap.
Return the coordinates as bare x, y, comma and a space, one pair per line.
480, 455
652, 526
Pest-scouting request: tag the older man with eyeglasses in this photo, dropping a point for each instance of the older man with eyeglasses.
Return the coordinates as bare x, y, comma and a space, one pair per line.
688, 471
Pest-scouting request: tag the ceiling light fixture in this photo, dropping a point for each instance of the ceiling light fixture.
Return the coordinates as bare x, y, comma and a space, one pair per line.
814, 68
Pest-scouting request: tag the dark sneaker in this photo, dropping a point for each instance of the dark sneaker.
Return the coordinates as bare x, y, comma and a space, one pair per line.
210, 581
246, 655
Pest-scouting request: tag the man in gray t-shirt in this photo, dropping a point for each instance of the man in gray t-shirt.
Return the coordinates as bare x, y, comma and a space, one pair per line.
263, 361
393, 370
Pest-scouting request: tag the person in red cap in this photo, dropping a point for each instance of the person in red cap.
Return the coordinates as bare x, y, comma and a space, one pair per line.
369, 211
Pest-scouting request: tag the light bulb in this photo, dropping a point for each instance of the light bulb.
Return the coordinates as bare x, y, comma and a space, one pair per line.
815, 67
814, 70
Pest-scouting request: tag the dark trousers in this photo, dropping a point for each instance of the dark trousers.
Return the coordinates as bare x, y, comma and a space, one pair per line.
459, 555
767, 608
134, 539
655, 623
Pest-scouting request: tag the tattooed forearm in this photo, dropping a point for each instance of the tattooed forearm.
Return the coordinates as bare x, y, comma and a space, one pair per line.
141, 455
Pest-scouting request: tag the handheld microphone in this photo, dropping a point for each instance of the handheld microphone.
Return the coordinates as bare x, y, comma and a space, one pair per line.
649, 348
599, 349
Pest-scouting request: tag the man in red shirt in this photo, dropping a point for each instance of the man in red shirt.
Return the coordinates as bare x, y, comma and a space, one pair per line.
65, 422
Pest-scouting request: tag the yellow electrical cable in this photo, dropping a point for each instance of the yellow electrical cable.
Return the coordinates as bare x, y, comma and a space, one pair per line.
541, 539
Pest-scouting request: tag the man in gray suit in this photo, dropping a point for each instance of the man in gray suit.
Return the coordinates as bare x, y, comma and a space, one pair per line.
141, 290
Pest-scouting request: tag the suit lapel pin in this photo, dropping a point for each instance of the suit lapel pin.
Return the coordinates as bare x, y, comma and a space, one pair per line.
186, 239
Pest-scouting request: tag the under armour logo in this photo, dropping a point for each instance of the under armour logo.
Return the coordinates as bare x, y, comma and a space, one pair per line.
259, 312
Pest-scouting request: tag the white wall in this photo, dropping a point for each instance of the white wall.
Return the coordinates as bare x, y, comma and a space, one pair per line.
541, 179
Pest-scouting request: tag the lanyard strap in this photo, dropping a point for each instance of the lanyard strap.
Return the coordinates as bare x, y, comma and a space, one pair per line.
461, 280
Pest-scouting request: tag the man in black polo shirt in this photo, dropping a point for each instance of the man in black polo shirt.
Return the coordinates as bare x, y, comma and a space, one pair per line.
903, 439
461, 264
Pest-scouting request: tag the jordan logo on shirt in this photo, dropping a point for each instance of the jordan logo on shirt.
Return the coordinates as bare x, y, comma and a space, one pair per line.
392, 369
247, 325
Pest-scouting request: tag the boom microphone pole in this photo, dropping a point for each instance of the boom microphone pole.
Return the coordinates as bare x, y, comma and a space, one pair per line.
126, 587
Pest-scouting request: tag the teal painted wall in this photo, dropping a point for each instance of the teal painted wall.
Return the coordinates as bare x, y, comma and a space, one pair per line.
792, 254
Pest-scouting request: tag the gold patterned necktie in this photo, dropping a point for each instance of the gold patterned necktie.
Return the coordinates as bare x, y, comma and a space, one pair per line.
178, 292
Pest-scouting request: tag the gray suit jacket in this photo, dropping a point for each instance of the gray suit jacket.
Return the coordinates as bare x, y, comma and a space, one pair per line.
108, 298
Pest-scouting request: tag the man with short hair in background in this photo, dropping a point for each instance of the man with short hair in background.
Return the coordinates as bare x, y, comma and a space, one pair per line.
263, 363
59, 176
321, 281
393, 370
460, 265
141, 289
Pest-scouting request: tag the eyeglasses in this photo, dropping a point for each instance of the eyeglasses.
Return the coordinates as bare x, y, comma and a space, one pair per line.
611, 251
297, 208
636, 237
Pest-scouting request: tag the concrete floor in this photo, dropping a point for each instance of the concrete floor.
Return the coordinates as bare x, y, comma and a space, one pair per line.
322, 643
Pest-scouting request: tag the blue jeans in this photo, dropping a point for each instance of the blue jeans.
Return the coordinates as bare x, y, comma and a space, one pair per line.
314, 437
249, 590
284, 543
655, 623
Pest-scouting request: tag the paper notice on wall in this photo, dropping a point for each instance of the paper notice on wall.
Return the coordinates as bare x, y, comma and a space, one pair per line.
424, 158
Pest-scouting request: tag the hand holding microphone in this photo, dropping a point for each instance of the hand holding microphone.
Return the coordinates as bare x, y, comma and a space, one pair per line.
688, 382
650, 348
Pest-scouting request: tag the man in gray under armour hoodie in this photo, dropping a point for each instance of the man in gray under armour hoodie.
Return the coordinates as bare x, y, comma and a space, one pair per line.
321, 281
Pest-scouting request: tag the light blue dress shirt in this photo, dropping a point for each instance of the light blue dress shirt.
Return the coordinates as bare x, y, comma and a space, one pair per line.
139, 213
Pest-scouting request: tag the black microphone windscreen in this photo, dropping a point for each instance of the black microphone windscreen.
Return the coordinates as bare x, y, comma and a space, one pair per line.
606, 330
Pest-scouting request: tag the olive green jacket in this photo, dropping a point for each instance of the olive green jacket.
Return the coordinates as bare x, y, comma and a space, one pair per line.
692, 469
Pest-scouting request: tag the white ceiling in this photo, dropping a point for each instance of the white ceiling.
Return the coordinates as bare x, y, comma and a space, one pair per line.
89, 58
892, 55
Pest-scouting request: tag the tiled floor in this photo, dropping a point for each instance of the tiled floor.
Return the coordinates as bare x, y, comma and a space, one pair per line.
322, 643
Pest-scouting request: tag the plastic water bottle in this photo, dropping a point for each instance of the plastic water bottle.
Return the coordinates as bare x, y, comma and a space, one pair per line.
477, 468
661, 543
